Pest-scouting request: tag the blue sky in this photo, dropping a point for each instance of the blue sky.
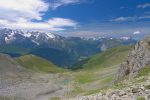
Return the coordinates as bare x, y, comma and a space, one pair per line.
84, 18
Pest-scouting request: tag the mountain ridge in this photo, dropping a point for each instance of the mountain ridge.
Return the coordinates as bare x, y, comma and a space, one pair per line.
137, 59
132, 79
38, 64
69, 49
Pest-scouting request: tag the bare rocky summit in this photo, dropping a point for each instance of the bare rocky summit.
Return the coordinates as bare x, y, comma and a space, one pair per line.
138, 58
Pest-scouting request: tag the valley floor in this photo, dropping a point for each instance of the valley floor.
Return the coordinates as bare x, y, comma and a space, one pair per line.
96, 73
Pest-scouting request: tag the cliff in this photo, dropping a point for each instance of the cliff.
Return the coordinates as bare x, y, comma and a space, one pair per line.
137, 59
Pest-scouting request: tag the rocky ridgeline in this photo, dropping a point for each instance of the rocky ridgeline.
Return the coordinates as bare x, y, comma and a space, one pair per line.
138, 58
137, 88
133, 90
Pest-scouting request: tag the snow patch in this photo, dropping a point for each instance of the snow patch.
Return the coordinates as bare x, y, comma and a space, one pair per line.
125, 38
28, 34
50, 35
136, 32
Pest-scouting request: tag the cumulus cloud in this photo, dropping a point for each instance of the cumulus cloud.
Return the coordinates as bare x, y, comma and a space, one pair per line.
136, 32
29, 9
144, 5
19, 14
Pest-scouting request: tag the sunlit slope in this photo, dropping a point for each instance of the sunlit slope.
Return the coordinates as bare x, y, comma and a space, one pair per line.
38, 64
105, 59
90, 76
98, 71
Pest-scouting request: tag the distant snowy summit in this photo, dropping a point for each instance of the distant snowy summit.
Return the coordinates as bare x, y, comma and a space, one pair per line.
8, 36
125, 38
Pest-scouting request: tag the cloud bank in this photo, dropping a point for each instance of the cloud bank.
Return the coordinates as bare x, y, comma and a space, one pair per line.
19, 14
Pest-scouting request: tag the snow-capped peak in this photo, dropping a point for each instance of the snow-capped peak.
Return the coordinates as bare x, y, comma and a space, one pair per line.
37, 37
27, 34
125, 38
50, 35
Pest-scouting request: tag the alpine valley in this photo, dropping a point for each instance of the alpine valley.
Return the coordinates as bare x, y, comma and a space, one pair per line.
74, 49
46, 66
63, 51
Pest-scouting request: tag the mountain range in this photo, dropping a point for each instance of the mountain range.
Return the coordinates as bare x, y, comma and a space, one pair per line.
63, 51
30, 77
107, 73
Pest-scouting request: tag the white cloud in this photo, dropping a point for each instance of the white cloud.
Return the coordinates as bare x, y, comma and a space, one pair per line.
19, 14
131, 18
54, 24
57, 3
144, 5
29, 9
123, 19
136, 32
58, 22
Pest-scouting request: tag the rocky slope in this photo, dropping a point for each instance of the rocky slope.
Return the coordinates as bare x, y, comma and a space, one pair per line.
138, 58
27, 85
134, 74
18, 83
9, 68
126, 90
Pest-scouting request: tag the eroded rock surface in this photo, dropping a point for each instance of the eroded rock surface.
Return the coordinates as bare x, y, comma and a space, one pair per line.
138, 58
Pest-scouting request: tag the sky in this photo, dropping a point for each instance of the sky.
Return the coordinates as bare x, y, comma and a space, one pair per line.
84, 18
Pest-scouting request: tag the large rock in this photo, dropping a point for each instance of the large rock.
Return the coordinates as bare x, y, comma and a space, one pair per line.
138, 58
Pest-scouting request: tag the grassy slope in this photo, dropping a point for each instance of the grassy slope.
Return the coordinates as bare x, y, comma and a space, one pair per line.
99, 70
39, 64
96, 71
108, 58
106, 63
145, 71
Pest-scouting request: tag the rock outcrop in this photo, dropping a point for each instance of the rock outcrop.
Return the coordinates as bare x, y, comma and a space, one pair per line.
138, 58
126, 90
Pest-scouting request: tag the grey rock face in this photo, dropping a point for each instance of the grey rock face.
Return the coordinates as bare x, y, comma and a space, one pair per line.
138, 58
